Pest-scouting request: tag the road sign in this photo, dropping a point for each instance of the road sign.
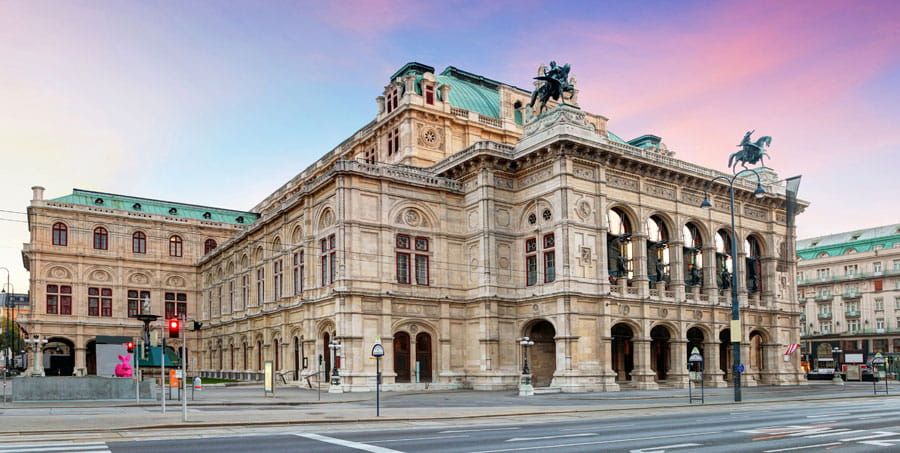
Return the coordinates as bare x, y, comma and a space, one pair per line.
378, 350
695, 356
739, 367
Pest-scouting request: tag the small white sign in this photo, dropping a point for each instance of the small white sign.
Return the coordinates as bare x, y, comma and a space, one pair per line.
179, 374
378, 350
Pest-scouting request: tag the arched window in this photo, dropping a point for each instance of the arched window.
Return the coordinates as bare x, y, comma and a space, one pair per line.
175, 246
517, 112
139, 242
101, 238
754, 266
693, 255
724, 265
657, 250
60, 234
618, 245
209, 246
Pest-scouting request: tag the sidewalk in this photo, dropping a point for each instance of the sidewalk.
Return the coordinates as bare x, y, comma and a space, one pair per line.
247, 406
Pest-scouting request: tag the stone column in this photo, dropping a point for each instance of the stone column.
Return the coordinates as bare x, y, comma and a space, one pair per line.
710, 288
676, 269
678, 371
712, 374
607, 375
80, 361
769, 279
639, 264
642, 375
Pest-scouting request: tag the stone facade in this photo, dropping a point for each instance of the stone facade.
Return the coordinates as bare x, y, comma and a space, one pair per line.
849, 290
457, 222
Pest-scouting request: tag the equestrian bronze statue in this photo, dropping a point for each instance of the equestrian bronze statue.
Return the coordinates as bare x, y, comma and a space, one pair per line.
750, 152
556, 82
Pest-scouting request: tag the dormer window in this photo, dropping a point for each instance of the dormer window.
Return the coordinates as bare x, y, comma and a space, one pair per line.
136, 206
429, 94
207, 215
239, 219
393, 99
98, 201
173, 211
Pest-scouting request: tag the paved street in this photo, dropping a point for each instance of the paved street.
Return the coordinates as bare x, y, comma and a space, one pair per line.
237, 419
788, 426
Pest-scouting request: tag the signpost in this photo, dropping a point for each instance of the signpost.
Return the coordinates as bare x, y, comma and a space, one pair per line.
378, 353
695, 375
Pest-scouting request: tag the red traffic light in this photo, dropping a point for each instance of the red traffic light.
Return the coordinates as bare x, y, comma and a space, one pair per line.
130, 346
174, 327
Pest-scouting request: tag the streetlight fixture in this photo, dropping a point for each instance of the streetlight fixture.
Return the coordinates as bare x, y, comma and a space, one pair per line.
735, 306
525, 386
335, 346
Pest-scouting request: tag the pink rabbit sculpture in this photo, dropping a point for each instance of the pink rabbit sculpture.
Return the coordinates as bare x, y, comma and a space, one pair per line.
124, 369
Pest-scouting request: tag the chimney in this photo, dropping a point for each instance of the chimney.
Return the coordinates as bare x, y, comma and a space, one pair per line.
37, 193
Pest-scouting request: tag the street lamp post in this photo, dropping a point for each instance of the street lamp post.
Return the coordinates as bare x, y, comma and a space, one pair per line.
7, 302
335, 387
525, 386
735, 306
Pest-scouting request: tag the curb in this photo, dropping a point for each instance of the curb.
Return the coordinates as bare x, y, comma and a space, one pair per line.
190, 425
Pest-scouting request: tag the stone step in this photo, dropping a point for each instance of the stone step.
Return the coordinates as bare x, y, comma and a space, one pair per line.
546, 390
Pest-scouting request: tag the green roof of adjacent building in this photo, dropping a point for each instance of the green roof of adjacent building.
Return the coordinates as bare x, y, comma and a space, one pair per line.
157, 207
472, 92
858, 241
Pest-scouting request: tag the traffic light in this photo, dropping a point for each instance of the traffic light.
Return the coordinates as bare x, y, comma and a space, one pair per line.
130, 347
174, 327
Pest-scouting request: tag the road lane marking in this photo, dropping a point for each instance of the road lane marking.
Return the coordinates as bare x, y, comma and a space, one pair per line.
876, 435
882, 443
838, 432
803, 447
598, 442
476, 430
598, 427
56, 447
663, 448
825, 415
519, 439
414, 438
347, 443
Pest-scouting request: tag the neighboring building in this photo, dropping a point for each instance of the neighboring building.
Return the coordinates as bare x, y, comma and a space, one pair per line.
849, 291
457, 222
94, 257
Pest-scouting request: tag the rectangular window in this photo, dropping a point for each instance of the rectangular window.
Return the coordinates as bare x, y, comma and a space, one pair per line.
403, 268
876, 266
260, 285
245, 290
99, 301
429, 94
879, 304
106, 302
853, 325
298, 272
230, 296
879, 324
851, 269
421, 269
277, 266
329, 259
531, 266
135, 301
59, 300
549, 266
219, 301
176, 305
93, 301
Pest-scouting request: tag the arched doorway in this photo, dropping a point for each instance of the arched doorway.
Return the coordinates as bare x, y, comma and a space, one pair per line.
543, 354
757, 354
277, 354
695, 339
401, 357
753, 265
259, 355
660, 351
622, 351
326, 354
296, 358
725, 353
423, 356
90, 356
59, 357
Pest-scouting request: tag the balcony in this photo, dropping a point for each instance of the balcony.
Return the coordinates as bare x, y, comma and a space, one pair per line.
824, 316
851, 294
847, 277
851, 314
824, 297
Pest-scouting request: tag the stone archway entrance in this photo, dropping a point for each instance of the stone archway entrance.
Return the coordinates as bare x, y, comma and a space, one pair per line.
401, 357
622, 351
59, 357
660, 351
695, 339
725, 359
542, 360
757, 354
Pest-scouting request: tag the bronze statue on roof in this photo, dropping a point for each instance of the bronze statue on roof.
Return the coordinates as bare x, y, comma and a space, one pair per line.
750, 152
556, 84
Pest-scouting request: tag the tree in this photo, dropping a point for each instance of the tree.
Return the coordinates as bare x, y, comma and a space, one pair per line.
7, 340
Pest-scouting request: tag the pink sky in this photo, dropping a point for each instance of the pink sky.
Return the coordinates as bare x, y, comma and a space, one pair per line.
220, 103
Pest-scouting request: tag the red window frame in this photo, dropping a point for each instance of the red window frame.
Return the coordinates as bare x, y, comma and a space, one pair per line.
549, 242
60, 234
101, 238
531, 267
139, 242
429, 94
403, 278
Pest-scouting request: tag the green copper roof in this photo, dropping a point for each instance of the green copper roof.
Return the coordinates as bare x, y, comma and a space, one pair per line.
885, 237
616, 138
157, 207
472, 92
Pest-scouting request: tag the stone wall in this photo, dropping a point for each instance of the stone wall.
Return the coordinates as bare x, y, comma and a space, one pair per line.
66, 388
